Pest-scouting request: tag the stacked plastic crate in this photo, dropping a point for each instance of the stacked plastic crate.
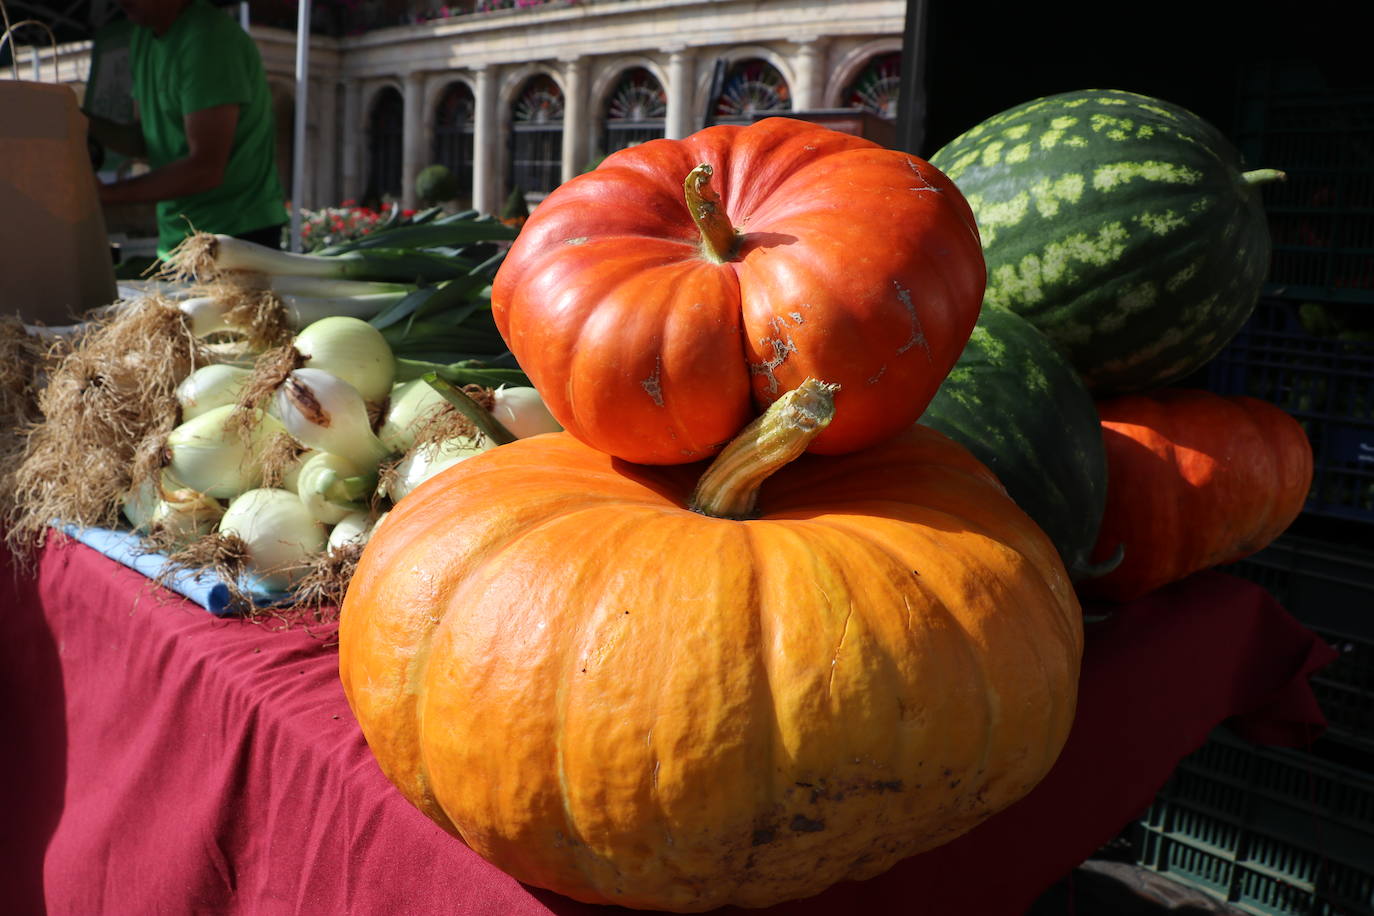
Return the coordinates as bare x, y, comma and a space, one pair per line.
1281, 831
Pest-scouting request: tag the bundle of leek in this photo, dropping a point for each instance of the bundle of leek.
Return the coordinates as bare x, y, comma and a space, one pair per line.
394, 272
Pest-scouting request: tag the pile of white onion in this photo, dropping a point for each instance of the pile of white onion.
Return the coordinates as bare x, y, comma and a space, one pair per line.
212, 481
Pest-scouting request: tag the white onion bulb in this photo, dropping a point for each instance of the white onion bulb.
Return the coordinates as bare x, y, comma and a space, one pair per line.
523, 412
209, 387
281, 535
353, 350
212, 459
320, 484
425, 461
412, 404
185, 516
323, 412
353, 529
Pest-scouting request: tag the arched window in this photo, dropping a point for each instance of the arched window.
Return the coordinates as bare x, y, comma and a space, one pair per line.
385, 126
453, 135
875, 88
537, 136
751, 88
634, 111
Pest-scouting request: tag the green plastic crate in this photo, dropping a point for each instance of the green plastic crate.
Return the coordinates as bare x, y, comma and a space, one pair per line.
1272, 831
1325, 382
1321, 218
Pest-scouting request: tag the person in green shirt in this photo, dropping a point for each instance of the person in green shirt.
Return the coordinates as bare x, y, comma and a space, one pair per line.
205, 125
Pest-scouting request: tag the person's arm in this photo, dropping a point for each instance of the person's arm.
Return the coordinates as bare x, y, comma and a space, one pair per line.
122, 138
209, 140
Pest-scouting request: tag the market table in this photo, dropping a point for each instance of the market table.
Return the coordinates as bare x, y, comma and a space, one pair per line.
161, 760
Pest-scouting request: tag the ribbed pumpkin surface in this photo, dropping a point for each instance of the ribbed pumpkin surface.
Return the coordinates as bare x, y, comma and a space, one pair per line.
613, 697
1120, 225
1021, 409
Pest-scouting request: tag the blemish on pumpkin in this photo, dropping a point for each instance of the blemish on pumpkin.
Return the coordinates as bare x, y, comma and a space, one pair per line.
782, 346
873, 379
925, 182
762, 837
652, 386
918, 334
882, 785
803, 824
579, 240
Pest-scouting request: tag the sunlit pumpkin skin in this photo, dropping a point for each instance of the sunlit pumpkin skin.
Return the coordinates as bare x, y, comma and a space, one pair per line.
1194, 480
613, 697
857, 264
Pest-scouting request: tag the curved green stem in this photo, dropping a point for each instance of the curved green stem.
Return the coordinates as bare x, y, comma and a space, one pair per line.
730, 486
1263, 176
463, 372
488, 425
719, 240
1083, 570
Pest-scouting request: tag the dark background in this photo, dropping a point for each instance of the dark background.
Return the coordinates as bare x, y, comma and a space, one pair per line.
983, 58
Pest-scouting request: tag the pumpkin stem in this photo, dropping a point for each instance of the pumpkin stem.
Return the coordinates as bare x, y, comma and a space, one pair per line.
730, 486
1263, 176
719, 240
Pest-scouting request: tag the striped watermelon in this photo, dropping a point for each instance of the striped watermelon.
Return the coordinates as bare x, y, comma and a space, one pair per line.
1120, 225
1020, 408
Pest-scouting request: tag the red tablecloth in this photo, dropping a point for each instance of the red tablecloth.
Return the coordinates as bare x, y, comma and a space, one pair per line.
157, 760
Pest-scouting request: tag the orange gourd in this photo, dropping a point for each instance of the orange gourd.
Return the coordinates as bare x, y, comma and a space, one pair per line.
1194, 480
662, 300
610, 691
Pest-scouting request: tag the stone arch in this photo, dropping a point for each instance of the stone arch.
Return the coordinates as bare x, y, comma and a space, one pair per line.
532, 102
514, 80
384, 128
737, 60
609, 70
851, 66
629, 105
451, 117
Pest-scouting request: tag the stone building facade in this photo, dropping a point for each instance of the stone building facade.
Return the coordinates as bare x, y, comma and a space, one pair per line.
528, 96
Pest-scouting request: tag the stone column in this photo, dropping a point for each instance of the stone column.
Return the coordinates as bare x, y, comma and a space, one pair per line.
576, 121
808, 67
351, 143
680, 119
486, 143
324, 144
413, 138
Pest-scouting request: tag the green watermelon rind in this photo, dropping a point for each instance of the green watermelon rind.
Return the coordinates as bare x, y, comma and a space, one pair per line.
1017, 404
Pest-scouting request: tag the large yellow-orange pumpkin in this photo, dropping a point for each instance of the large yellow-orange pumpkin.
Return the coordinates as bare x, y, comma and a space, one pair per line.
625, 701
853, 263
1194, 480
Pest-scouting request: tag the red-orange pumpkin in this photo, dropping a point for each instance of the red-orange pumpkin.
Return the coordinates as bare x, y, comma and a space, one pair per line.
1194, 480
825, 255
620, 699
